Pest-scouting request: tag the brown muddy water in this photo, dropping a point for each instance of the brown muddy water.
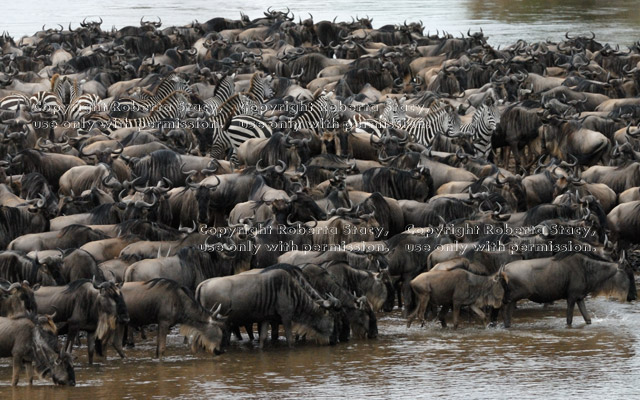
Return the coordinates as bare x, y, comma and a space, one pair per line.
539, 358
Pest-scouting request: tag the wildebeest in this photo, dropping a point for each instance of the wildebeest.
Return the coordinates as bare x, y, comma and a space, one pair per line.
26, 340
189, 267
15, 267
164, 302
570, 276
272, 296
16, 299
84, 305
453, 289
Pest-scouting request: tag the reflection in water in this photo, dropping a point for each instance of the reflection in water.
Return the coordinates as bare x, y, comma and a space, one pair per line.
537, 358
504, 21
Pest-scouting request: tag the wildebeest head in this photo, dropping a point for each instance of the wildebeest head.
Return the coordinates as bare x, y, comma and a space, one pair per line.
493, 292
208, 336
49, 273
303, 208
111, 308
49, 363
336, 141
16, 299
622, 284
363, 319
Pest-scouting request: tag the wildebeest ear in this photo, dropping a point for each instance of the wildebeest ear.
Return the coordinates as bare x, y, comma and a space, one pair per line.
36, 287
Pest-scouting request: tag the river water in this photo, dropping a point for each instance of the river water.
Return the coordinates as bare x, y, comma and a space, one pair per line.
538, 358
504, 21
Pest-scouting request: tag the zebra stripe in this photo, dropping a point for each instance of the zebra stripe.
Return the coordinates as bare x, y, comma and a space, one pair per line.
223, 91
13, 102
424, 130
82, 106
244, 127
220, 121
482, 125
318, 115
64, 88
47, 102
148, 100
172, 107
259, 90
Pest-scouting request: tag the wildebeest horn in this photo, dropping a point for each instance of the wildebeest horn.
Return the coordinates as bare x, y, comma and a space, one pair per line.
282, 168
142, 203
215, 311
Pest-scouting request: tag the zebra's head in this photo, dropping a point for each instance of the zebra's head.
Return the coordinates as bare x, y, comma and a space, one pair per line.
490, 114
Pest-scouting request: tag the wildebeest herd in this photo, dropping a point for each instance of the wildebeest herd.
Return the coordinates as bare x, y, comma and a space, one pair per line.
309, 174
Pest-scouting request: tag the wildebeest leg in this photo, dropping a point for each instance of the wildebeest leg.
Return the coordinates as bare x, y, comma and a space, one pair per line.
17, 364
406, 294
29, 367
249, 329
118, 339
456, 315
398, 287
583, 310
571, 304
288, 332
143, 335
274, 332
236, 332
480, 313
163, 331
263, 331
421, 309
442, 315
130, 341
508, 312
71, 338
91, 345
494, 316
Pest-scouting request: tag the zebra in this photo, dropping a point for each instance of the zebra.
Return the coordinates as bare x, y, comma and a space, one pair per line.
64, 88
317, 115
82, 106
440, 120
244, 127
14, 101
259, 89
223, 91
172, 107
49, 103
390, 116
148, 100
247, 123
483, 123
220, 121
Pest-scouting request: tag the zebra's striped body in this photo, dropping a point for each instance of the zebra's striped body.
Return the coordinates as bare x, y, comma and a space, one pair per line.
483, 123
224, 90
318, 115
48, 102
82, 106
423, 130
244, 127
245, 123
220, 121
14, 101
172, 107
149, 100
390, 116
